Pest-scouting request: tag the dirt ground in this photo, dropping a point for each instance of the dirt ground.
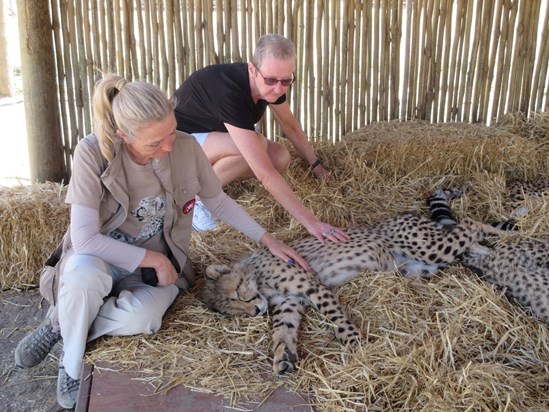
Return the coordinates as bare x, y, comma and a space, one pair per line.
22, 390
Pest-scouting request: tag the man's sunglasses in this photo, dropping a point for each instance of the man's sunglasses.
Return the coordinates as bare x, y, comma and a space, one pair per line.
271, 81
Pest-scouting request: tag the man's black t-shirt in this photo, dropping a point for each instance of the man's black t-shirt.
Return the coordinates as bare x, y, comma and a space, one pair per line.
216, 95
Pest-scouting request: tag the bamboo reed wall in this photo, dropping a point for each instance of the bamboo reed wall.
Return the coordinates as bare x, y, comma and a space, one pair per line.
358, 61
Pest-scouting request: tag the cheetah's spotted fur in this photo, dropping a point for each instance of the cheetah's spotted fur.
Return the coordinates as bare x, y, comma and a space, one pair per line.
520, 267
414, 245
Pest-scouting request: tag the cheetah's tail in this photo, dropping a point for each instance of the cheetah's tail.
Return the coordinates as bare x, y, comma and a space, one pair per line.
487, 229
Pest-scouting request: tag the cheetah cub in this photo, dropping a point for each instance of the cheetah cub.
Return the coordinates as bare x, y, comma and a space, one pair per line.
413, 245
519, 267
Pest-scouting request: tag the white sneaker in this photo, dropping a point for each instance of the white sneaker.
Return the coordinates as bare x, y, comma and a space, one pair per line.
202, 218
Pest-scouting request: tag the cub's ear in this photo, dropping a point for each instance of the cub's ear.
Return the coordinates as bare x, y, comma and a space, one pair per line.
216, 271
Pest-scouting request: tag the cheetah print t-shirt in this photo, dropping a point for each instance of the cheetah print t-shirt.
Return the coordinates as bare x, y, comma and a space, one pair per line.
145, 221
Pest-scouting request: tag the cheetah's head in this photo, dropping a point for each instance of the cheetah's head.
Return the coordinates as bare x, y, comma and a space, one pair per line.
233, 291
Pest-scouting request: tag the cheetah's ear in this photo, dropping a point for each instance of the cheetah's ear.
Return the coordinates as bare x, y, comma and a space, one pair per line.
216, 271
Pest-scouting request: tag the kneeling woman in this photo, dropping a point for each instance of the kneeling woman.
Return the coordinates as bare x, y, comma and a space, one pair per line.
132, 193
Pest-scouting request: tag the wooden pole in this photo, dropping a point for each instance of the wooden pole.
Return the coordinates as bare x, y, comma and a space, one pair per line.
326, 79
62, 91
414, 68
375, 81
541, 68
396, 34
319, 66
454, 63
40, 91
5, 86
527, 90
365, 77
509, 25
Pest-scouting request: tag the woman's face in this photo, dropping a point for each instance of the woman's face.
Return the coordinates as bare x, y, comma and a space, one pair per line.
152, 141
274, 70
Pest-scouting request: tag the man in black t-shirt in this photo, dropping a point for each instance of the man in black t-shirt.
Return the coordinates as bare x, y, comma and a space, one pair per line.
220, 105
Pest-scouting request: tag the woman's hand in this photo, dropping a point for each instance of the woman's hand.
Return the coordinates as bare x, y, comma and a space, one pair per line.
324, 231
283, 251
166, 273
322, 173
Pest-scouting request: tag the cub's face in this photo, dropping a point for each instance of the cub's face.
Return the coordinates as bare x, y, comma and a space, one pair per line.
233, 291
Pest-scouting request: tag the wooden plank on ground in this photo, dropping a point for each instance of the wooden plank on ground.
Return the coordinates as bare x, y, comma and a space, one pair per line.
105, 389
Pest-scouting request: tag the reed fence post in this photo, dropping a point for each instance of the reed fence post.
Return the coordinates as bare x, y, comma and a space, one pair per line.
39, 91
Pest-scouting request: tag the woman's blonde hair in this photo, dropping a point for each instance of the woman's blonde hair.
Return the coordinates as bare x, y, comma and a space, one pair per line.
125, 106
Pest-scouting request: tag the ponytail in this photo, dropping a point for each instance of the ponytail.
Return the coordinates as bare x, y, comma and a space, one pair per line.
125, 106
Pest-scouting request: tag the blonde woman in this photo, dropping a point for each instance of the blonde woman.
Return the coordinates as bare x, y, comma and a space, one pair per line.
132, 195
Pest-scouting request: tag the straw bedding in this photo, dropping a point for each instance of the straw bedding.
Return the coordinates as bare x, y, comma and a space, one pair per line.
32, 221
453, 342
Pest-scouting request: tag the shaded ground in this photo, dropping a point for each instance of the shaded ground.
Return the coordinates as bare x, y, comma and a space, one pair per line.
34, 390
22, 390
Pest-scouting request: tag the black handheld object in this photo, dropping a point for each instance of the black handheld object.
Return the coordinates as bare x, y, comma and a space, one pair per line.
149, 276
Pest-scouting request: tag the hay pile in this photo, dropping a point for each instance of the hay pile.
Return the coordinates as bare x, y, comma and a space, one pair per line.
451, 342
32, 222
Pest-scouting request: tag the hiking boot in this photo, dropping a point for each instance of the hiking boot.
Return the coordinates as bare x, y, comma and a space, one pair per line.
67, 389
34, 347
202, 218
